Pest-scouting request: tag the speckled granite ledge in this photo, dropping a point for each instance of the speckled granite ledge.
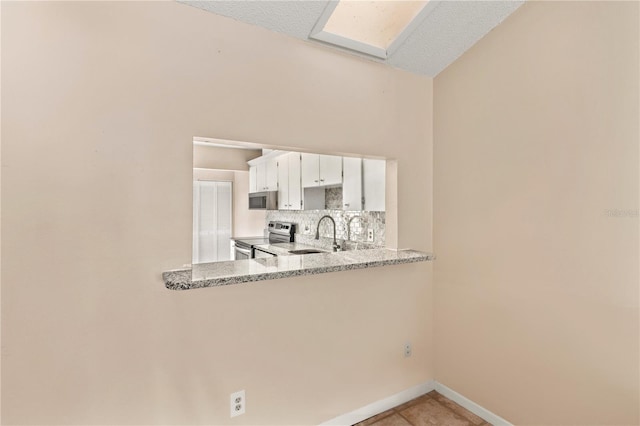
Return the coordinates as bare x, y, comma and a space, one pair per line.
241, 271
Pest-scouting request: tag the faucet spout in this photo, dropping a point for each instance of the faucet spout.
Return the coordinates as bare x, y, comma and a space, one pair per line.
349, 226
336, 246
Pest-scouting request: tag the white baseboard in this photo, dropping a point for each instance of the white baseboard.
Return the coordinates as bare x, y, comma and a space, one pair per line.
406, 395
382, 405
476, 409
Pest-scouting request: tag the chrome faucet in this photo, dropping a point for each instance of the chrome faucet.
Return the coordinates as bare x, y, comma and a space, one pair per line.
336, 246
349, 226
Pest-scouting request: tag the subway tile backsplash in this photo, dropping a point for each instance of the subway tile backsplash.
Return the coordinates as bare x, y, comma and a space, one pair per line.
306, 222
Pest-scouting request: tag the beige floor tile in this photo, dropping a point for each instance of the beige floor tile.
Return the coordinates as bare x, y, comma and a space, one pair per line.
458, 409
392, 420
372, 420
430, 412
412, 402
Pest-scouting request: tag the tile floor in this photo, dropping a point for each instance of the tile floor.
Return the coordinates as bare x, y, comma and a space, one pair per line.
430, 409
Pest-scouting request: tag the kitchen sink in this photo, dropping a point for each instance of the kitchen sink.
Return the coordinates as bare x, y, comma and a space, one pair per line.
306, 251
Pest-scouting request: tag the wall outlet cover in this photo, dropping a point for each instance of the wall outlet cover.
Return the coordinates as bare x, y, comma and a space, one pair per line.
407, 349
370, 235
237, 403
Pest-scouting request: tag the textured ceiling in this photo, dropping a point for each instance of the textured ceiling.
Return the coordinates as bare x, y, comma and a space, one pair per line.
447, 32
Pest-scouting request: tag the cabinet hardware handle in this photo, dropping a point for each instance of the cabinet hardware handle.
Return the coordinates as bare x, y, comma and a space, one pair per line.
321, 180
346, 205
315, 181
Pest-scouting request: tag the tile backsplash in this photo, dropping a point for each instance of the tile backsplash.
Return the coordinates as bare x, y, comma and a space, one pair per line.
306, 222
333, 198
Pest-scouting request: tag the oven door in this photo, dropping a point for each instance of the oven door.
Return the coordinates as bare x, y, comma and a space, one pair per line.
259, 253
242, 253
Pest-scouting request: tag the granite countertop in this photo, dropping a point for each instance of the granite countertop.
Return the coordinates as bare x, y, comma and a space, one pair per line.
240, 271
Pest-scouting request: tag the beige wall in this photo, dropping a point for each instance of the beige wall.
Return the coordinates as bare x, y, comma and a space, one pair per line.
215, 157
100, 103
536, 138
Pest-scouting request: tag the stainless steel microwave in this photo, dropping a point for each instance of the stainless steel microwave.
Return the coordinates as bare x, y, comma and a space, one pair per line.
263, 200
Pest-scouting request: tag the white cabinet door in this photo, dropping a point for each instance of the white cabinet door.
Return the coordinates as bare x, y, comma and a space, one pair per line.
330, 170
310, 171
283, 183
253, 179
260, 177
289, 188
295, 186
264, 176
271, 175
321, 170
373, 172
352, 184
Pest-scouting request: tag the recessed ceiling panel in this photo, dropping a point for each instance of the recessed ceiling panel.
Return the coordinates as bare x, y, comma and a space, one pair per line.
377, 23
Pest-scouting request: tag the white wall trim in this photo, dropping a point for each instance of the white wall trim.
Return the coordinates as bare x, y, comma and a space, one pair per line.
382, 405
406, 395
476, 409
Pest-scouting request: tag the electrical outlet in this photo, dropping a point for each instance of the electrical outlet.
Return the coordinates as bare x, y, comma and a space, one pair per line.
238, 403
370, 235
407, 349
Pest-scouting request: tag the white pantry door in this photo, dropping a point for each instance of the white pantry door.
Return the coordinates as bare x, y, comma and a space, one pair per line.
211, 221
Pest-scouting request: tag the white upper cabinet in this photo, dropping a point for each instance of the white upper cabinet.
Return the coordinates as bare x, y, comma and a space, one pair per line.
253, 179
289, 189
264, 176
330, 170
271, 175
310, 170
301, 180
373, 174
283, 183
352, 184
295, 185
321, 170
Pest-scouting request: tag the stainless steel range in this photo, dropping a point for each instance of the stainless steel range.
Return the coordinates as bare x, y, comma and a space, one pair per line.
279, 232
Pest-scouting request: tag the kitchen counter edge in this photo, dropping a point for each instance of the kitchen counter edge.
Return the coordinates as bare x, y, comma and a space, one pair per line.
242, 271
